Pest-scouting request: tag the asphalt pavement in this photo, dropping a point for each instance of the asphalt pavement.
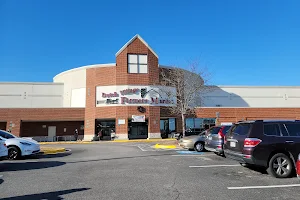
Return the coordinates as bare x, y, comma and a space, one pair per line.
137, 171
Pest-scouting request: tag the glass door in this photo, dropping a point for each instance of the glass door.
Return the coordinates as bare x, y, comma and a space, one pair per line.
137, 130
164, 128
105, 128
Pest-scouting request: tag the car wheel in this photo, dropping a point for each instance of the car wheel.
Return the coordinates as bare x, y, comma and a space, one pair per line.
13, 153
280, 166
199, 147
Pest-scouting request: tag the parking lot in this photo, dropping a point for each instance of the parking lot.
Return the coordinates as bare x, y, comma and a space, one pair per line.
137, 171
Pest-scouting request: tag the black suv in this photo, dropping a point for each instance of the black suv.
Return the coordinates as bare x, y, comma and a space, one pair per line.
274, 145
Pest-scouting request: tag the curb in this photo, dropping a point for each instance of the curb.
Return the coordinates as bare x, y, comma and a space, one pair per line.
46, 151
115, 141
42, 143
143, 141
161, 146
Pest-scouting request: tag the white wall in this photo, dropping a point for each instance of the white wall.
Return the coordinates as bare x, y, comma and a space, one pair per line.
246, 96
74, 81
31, 95
76, 97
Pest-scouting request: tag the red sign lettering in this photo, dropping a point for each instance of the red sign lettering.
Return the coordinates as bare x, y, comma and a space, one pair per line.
109, 95
125, 100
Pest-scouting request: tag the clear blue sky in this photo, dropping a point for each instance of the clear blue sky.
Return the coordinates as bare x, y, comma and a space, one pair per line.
239, 42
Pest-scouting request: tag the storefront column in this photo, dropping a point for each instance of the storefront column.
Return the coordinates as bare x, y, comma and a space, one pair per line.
14, 126
154, 123
121, 129
89, 129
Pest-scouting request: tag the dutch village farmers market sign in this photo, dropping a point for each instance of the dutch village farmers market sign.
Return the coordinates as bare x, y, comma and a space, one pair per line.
134, 95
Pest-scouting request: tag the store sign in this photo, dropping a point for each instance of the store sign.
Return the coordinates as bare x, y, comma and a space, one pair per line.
138, 118
135, 95
121, 121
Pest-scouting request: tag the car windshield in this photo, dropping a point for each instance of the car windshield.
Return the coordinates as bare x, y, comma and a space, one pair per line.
6, 135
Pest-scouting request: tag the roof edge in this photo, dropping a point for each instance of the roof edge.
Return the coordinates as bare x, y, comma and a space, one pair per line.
85, 67
257, 86
131, 40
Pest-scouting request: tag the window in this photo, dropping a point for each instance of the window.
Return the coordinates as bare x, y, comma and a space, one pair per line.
172, 124
137, 64
283, 130
6, 135
198, 122
293, 129
214, 130
226, 129
189, 123
271, 129
241, 129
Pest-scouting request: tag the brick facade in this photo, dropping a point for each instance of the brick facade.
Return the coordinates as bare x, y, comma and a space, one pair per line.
41, 128
118, 75
14, 116
237, 114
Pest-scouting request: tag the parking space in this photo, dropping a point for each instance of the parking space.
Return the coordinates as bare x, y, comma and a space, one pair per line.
231, 177
125, 171
227, 170
151, 147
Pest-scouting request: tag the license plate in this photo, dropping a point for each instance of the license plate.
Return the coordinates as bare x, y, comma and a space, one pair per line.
232, 144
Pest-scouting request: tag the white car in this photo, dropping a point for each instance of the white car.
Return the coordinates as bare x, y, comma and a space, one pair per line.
18, 147
3, 149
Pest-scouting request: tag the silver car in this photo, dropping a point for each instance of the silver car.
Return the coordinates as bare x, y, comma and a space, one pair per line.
194, 142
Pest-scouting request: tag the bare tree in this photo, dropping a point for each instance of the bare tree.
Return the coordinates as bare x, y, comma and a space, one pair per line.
190, 84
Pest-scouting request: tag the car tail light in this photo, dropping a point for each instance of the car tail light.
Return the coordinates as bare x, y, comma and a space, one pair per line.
4, 144
251, 142
220, 134
247, 156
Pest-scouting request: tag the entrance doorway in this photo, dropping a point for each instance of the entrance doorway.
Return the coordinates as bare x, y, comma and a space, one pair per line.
106, 127
137, 130
167, 126
51, 133
3, 126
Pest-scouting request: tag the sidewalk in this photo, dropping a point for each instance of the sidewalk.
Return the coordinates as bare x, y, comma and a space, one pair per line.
115, 141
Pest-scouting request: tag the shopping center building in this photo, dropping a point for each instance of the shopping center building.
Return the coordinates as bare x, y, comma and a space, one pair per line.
123, 97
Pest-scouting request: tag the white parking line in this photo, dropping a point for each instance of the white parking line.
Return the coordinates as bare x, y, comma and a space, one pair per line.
204, 158
184, 155
263, 187
207, 166
141, 148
